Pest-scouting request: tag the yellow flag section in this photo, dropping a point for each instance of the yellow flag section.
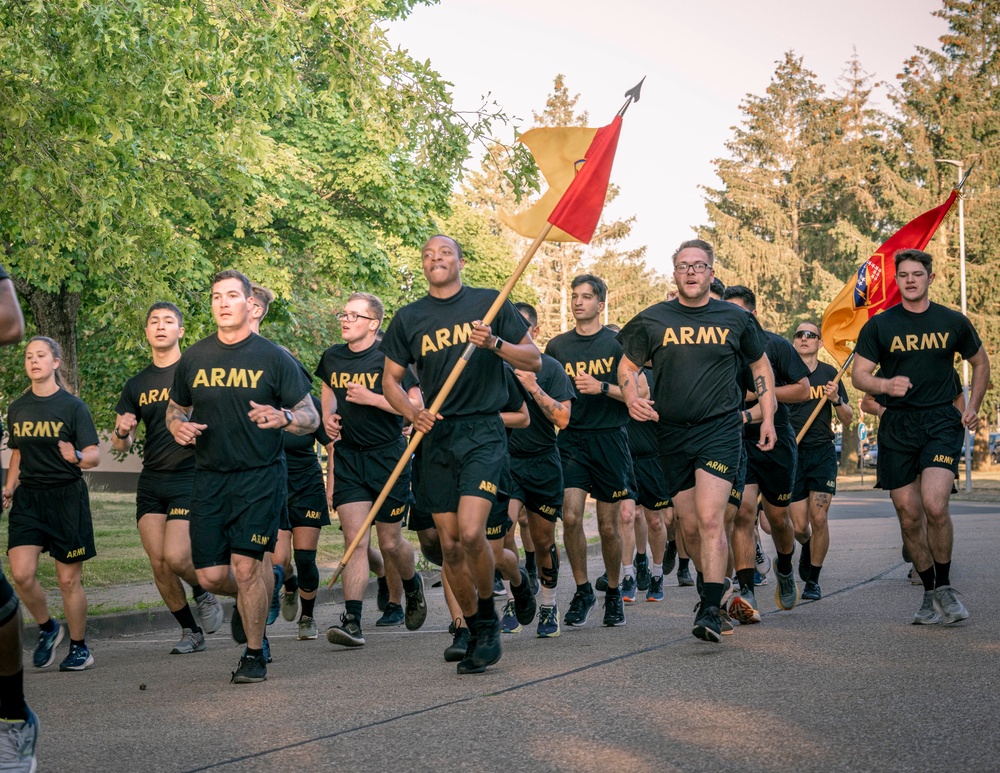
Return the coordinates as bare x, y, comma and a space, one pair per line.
558, 151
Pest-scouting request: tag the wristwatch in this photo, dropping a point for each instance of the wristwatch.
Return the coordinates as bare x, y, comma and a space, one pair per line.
748, 417
288, 416
120, 437
498, 344
79, 456
835, 404
605, 386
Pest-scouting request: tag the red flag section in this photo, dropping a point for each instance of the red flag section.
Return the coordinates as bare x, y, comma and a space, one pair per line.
873, 287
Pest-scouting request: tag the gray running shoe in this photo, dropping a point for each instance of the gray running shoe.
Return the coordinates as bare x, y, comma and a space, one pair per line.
707, 623
189, 642
725, 622
786, 594
927, 615
684, 578
947, 605
744, 607
307, 629
290, 605
17, 744
210, 612
763, 563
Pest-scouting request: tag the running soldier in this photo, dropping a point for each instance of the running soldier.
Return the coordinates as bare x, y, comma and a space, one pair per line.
163, 493
816, 472
921, 433
593, 448
228, 400
697, 346
459, 476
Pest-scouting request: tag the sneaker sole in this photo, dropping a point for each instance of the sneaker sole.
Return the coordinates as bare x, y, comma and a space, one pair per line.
88, 664
337, 636
811, 596
52, 653
248, 679
511, 629
928, 621
614, 623
381, 624
548, 635
950, 620
742, 611
628, 600
706, 634
777, 597
654, 598
176, 651
289, 612
308, 638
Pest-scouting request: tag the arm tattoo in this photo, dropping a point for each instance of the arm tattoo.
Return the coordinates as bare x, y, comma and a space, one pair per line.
176, 412
551, 407
761, 386
304, 417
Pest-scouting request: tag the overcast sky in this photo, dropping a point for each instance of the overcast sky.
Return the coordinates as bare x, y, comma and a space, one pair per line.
700, 60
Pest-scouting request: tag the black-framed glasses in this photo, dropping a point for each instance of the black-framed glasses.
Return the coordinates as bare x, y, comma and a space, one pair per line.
350, 316
698, 268
806, 334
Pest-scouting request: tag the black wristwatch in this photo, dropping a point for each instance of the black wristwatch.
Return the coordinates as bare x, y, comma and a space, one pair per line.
288, 416
838, 403
605, 386
120, 437
748, 416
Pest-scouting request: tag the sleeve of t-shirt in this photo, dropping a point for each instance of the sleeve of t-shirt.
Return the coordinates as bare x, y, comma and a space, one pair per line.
560, 387
322, 371
410, 379
515, 398
867, 345
126, 402
320, 432
394, 345
293, 381
11, 439
634, 339
842, 392
509, 324
968, 339
179, 392
752, 340
86, 432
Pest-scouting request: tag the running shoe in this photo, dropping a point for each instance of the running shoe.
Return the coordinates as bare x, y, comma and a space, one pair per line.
727, 591
416, 605
669, 558
948, 606
548, 622
743, 607
725, 622
236, 626
614, 611
393, 615
252, 668
17, 744
759, 579
913, 577
533, 580
927, 614
459, 646
579, 608
684, 578
78, 659
210, 612
290, 605
265, 647
45, 650
762, 560
804, 561
786, 594
486, 651
498, 589
655, 592
707, 624
188, 643
348, 633
524, 601
812, 592
382, 597
629, 586
508, 620
275, 609
601, 584
642, 571
307, 628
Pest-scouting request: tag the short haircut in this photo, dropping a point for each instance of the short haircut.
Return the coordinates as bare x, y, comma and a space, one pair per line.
614, 327
453, 240
528, 311
698, 244
263, 296
232, 273
921, 257
717, 287
375, 307
808, 322
741, 293
600, 289
169, 307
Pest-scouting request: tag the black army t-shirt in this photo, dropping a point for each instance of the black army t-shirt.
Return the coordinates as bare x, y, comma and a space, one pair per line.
219, 380
599, 355
920, 346
820, 432
696, 353
539, 437
433, 332
361, 426
788, 369
300, 454
146, 396
37, 424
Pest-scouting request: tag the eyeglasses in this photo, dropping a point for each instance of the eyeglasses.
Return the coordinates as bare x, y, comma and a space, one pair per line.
350, 316
698, 268
805, 334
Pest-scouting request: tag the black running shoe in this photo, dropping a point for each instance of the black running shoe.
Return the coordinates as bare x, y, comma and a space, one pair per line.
579, 608
459, 646
707, 623
252, 668
236, 625
487, 649
416, 605
669, 558
614, 610
348, 633
524, 601
812, 592
382, 597
642, 574
601, 584
804, 561
684, 578
393, 615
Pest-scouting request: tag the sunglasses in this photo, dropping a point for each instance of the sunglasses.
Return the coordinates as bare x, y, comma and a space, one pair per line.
805, 334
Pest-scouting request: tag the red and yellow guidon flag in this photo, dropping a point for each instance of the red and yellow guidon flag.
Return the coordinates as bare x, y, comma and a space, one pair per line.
873, 287
576, 162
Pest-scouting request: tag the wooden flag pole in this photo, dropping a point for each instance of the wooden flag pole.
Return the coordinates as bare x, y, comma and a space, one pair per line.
822, 401
442, 395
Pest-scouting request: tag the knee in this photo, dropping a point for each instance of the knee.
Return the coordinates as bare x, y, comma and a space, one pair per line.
22, 576
937, 515
474, 541
801, 535
247, 573
68, 584
607, 529
305, 566
430, 546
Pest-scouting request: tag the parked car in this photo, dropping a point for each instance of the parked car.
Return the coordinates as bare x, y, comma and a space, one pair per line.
995, 447
869, 454
838, 444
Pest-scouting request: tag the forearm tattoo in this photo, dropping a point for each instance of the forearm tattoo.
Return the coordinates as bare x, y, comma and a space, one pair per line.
553, 409
177, 413
304, 417
761, 386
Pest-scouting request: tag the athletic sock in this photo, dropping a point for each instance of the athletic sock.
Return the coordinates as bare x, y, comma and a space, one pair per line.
615, 591
942, 574
522, 590
628, 570
814, 573
805, 555
252, 653
548, 596
383, 584
784, 563
640, 559
470, 622
529, 560
682, 564
656, 570
185, 619
78, 642
409, 586
586, 589
48, 626
745, 576
354, 608
927, 577
291, 583
12, 705
712, 594
197, 592
308, 605
487, 609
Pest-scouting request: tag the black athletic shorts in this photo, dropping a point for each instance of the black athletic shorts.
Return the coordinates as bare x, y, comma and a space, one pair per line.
460, 457
650, 487
911, 441
773, 472
816, 471
360, 474
235, 512
308, 507
419, 520
499, 520
736, 494
538, 482
57, 518
164, 492
284, 523
714, 445
596, 461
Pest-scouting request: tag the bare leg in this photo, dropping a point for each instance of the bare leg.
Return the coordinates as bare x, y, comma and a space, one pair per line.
574, 537
23, 570
74, 598
356, 571
253, 596
152, 534
608, 515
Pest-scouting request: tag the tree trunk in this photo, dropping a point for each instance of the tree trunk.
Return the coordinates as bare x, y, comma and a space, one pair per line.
849, 448
55, 317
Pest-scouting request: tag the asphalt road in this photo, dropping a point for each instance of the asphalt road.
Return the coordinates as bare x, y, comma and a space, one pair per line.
843, 684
